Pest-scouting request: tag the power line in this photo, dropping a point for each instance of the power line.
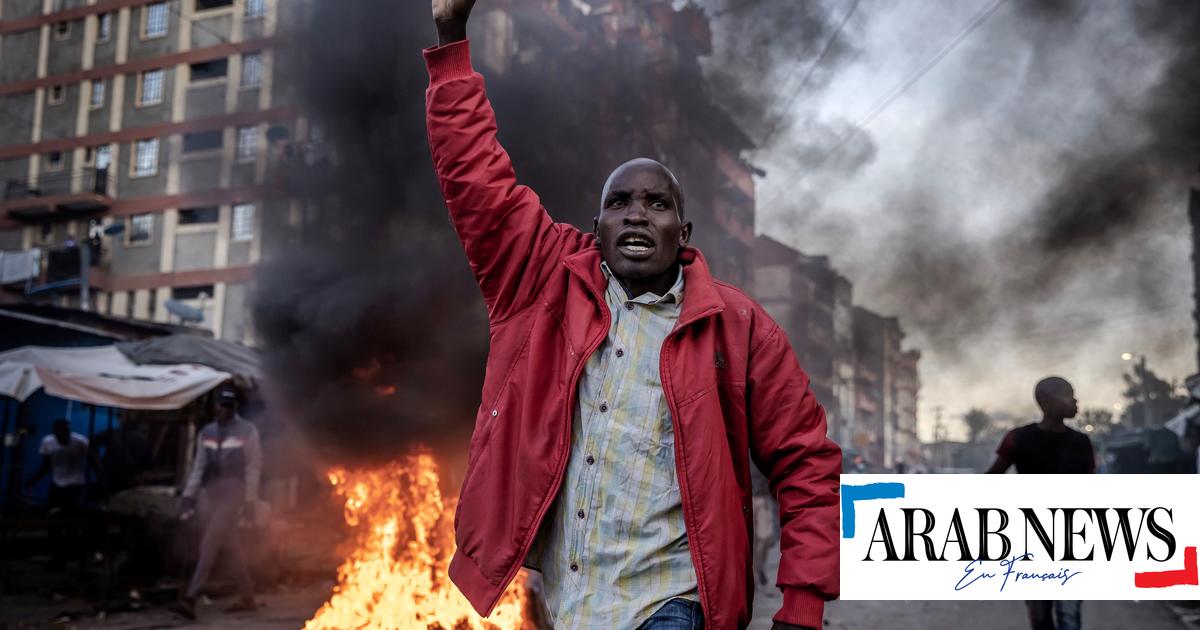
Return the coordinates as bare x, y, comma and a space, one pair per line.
171, 7
787, 108
896, 92
929, 65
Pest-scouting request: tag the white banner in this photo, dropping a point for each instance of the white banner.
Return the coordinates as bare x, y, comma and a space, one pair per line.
1020, 537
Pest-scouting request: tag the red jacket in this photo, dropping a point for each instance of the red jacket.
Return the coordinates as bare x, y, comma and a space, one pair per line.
728, 374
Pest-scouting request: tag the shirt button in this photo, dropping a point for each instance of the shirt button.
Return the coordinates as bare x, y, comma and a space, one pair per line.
629, 306
495, 413
603, 407
591, 460
574, 567
620, 353
579, 514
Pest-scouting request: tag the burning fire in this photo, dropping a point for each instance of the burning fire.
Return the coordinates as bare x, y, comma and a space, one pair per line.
395, 577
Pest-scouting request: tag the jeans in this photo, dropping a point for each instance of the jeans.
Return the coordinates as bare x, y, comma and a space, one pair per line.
677, 614
1054, 615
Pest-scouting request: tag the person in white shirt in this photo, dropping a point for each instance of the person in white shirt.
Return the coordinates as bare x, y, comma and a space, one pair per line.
65, 457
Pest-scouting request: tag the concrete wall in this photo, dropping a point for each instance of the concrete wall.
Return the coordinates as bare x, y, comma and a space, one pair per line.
194, 250
200, 173
14, 169
243, 174
16, 125
141, 257
210, 31
205, 101
19, 54
21, 8
237, 312
239, 253
65, 53
10, 240
58, 121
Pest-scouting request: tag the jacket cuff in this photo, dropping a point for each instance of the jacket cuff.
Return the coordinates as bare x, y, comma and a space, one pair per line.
449, 62
801, 607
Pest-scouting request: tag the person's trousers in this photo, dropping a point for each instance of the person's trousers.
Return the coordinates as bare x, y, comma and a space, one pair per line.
220, 506
676, 614
1054, 615
66, 537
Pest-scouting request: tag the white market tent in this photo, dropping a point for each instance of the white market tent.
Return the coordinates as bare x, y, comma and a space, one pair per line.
103, 376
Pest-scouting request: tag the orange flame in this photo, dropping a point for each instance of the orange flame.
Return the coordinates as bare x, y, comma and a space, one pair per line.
395, 577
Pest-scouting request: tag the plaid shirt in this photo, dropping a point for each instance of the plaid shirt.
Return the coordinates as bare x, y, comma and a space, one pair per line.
615, 548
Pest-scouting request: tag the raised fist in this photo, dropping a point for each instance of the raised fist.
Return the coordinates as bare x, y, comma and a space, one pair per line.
452, 10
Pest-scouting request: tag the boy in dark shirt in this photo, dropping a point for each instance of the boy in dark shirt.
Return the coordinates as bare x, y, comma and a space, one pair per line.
1049, 447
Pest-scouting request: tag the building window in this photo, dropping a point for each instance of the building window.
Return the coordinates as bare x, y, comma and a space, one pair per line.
145, 157
154, 20
202, 141
209, 5
54, 161
198, 216
150, 87
256, 8
97, 94
140, 229
62, 30
247, 143
103, 27
209, 70
58, 94
252, 68
243, 222
103, 156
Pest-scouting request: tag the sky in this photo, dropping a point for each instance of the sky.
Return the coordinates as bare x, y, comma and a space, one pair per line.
1021, 206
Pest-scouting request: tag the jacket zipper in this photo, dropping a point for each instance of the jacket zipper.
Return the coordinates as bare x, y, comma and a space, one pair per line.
684, 491
564, 454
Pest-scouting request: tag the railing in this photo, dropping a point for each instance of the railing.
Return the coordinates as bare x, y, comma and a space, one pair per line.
91, 180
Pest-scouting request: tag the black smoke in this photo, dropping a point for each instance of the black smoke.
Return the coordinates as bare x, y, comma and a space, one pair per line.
374, 330
1110, 181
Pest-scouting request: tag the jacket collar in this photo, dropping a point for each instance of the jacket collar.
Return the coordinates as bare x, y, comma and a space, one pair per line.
700, 299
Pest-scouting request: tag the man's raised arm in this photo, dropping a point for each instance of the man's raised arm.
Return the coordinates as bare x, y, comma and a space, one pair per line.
510, 240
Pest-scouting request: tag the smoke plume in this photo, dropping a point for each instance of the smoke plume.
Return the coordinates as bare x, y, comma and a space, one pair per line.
1025, 207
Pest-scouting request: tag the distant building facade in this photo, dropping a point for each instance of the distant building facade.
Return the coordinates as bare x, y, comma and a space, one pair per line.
152, 116
171, 120
859, 372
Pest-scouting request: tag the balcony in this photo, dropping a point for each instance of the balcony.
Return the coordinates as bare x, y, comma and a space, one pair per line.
59, 194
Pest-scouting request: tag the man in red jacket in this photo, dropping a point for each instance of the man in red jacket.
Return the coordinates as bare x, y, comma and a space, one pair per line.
625, 394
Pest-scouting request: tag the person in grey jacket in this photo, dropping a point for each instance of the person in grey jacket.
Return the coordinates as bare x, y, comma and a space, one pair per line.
226, 467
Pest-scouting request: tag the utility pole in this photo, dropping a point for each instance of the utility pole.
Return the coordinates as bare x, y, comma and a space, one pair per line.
939, 436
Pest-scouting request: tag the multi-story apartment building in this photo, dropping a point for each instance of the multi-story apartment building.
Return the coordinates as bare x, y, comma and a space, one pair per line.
148, 115
155, 116
887, 387
843, 358
869, 385
905, 389
798, 292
